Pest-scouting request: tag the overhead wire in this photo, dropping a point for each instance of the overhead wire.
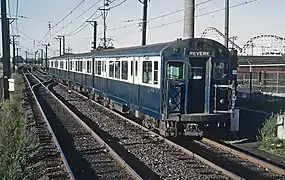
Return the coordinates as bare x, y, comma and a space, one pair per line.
199, 15
62, 19
157, 17
55, 34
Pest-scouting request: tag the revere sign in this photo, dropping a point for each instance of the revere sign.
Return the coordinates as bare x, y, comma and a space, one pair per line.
197, 53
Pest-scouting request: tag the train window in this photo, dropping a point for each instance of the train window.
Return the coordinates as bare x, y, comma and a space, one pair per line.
95, 67
56, 64
80, 66
70, 65
61, 64
196, 72
219, 70
136, 68
103, 66
111, 68
65, 65
117, 69
155, 75
51, 63
88, 64
132, 67
175, 70
99, 68
124, 70
147, 72
76, 65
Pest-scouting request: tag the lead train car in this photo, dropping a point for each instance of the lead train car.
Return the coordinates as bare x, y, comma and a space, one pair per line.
178, 88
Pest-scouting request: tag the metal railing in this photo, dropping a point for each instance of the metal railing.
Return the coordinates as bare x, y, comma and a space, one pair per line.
266, 82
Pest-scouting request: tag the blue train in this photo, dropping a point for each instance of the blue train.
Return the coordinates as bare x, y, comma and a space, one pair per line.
178, 88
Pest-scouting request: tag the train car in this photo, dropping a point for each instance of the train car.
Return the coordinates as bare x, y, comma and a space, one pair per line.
178, 88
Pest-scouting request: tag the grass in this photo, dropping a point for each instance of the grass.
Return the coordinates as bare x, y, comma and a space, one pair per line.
268, 137
18, 144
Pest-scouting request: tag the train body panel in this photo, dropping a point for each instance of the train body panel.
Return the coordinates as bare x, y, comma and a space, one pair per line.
172, 86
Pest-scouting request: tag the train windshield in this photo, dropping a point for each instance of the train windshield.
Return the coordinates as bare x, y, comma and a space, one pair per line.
219, 70
175, 70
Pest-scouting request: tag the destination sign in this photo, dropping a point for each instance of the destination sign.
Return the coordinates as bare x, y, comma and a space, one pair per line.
198, 53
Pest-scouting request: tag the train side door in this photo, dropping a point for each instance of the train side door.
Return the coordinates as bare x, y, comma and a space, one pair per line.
104, 76
135, 90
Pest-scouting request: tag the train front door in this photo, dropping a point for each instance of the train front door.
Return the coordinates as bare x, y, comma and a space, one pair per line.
196, 95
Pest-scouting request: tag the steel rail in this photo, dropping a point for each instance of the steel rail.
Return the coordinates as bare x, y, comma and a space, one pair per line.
112, 152
67, 167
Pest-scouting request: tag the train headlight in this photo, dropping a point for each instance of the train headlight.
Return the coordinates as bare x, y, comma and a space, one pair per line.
222, 101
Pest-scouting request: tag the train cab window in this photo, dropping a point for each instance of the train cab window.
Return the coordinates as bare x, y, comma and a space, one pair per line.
175, 70
111, 68
155, 73
124, 70
219, 70
99, 68
117, 69
196, 72
147, 72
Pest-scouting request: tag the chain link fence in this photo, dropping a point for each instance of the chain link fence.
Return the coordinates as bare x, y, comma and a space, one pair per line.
271, 82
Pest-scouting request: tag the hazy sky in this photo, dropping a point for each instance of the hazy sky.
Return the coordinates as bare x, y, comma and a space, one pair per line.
246, 21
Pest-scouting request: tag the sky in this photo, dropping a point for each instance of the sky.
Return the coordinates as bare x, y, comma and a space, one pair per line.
246, 21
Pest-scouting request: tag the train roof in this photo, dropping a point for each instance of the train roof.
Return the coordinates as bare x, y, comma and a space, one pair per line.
147, 50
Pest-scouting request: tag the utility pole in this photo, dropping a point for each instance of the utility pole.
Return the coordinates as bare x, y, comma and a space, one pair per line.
144, 23
104, 12
252, 46
46, 66
17, 55
233, 38
189, 19
14, 49
26, 56
59, 40
36, 57
5, 48
63, 44
227, 17
42, 56
94, 24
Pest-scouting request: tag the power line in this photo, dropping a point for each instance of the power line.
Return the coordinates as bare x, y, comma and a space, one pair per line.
62, 19
200, 15
160, 16
55, 34
68, 14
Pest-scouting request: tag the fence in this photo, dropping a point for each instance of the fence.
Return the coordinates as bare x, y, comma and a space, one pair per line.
263, 81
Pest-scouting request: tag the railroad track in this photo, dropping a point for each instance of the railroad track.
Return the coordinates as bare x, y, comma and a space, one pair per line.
85, 154
165, 158
263, 163
222, 160
53, 164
